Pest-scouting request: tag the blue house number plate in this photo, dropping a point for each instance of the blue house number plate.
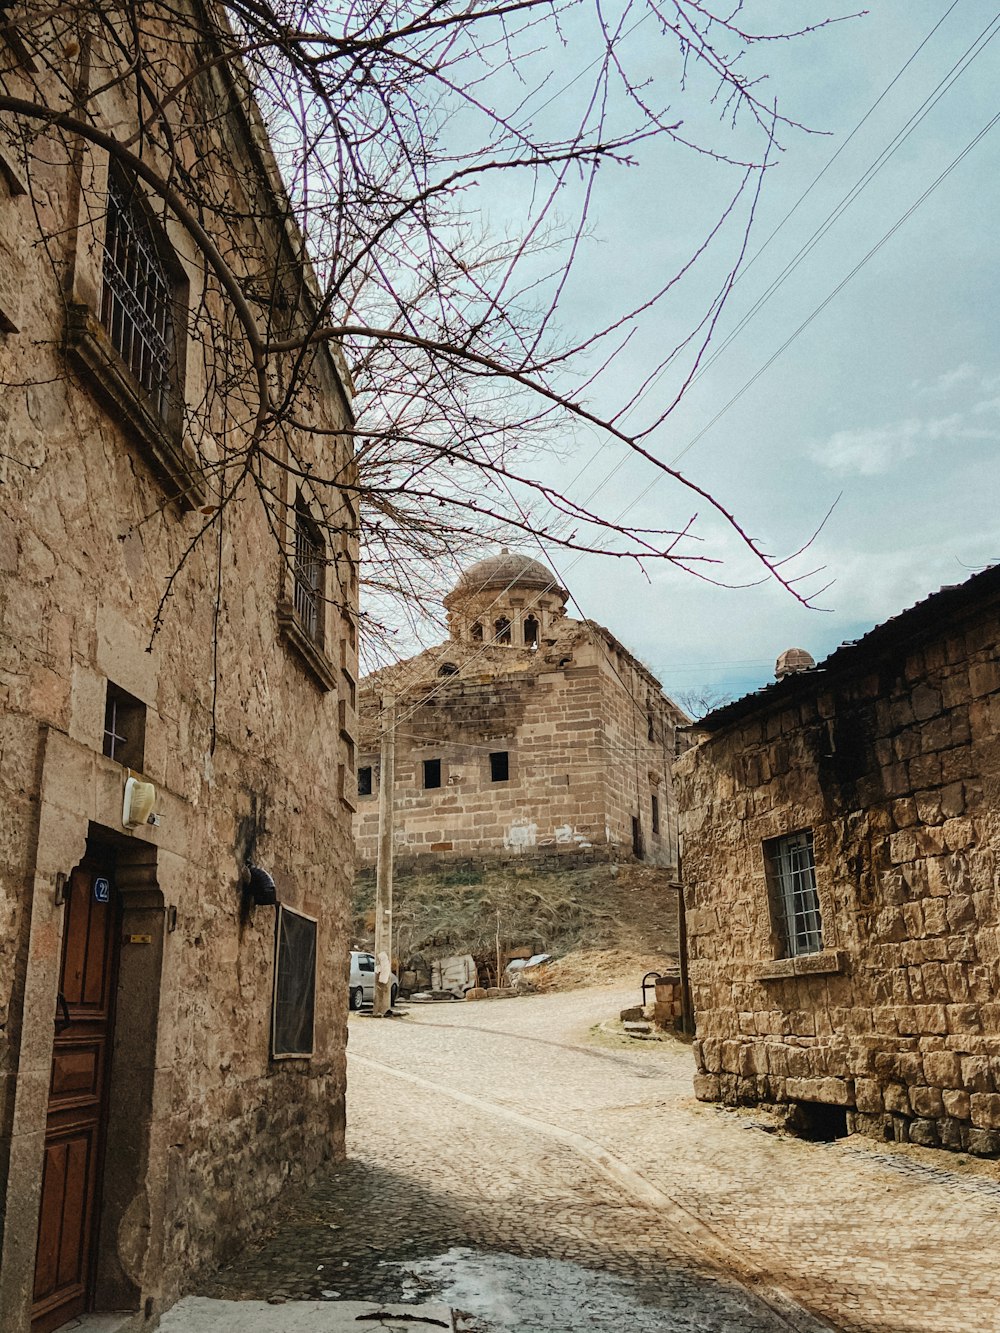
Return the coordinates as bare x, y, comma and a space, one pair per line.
102, 891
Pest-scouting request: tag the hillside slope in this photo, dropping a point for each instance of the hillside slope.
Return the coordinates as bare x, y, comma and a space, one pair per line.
600, 922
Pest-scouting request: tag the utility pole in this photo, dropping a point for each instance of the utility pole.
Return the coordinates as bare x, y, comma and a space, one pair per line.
383, 871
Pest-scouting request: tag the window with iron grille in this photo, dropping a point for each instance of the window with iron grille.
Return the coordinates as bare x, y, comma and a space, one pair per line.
138, 294
124, 727
308, 570
792, 873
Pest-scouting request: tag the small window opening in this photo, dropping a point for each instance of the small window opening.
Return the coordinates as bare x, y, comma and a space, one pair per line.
531, 632
365, 780
447, 669
636, 837
501, 630
432, 774
124, 727
655, 803
500, 766
650, 731
477, 632
308, 570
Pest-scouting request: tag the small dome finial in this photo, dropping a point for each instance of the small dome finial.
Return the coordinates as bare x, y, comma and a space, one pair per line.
791, 661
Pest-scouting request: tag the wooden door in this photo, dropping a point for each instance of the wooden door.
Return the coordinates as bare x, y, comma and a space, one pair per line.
74, 1133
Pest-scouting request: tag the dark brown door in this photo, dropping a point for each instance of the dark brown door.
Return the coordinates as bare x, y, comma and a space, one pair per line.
74, 1130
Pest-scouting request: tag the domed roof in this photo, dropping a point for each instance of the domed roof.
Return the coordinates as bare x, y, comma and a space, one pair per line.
509, 569
793, 660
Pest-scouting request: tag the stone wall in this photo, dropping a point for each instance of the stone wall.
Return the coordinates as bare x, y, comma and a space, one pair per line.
891, 756
574, 719
247, 747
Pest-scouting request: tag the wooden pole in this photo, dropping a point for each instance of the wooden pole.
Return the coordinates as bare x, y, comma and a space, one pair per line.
383, 872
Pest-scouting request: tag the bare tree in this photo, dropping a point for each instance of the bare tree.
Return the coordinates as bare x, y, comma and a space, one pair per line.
403, 131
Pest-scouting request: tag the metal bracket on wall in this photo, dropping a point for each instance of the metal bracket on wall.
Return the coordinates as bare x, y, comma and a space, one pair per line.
171, 919
60, 893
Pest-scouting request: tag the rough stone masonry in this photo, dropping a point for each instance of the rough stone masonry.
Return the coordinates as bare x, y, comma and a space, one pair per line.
840, 833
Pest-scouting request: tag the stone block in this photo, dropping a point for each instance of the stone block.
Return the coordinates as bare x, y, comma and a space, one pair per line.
896, 1098
984, 678
953, 800
982, 1142
957, 1103
977, 1074
706, 1087
868, 1096
950, 1131
927, 1102
985, 1110
942, 1069
924, 1133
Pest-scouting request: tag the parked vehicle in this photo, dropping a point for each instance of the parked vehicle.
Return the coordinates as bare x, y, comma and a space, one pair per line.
362, 980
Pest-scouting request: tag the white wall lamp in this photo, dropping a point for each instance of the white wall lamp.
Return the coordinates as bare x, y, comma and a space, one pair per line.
138, 802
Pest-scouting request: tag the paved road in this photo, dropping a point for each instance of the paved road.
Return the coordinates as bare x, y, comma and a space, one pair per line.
539, 1178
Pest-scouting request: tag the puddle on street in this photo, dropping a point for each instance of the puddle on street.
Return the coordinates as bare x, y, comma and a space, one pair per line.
504, 1293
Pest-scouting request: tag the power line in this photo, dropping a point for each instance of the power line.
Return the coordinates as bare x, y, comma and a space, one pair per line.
944, 85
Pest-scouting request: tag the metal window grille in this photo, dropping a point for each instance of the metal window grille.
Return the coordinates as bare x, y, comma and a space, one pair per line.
793, 872
137, 294
114, 736
124, 727
308, 574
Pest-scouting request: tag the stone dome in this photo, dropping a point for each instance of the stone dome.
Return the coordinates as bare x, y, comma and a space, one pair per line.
507, 570
791, 661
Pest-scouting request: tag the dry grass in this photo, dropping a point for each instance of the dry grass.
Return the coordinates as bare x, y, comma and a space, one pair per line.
602, 923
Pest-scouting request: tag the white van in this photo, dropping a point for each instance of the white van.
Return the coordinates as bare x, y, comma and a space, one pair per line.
362, 980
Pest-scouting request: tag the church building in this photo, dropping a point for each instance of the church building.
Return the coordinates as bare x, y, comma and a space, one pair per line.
525, 733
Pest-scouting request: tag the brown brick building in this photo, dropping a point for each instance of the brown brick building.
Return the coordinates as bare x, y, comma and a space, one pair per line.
525, 733
840, 834
171, 1053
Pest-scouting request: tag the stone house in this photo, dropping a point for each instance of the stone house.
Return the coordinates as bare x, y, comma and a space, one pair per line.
173, 1038
526, 733
840, 833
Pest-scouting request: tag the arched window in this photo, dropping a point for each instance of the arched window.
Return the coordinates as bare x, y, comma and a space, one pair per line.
501, 630
447, 669
477, 632
531, 632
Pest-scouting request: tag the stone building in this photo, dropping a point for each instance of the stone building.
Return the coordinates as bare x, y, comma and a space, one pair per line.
840, 836
173, 1039
525, 733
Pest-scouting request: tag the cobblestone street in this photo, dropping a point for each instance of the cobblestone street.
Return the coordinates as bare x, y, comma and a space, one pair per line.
536, 1175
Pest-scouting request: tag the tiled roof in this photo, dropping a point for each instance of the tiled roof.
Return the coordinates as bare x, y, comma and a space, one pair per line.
919, 619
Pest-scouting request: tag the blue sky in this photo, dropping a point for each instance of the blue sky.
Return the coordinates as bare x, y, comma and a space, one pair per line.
886, 405
889, 399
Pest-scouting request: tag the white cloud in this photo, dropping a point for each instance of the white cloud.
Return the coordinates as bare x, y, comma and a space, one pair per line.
874, 450
951, 379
